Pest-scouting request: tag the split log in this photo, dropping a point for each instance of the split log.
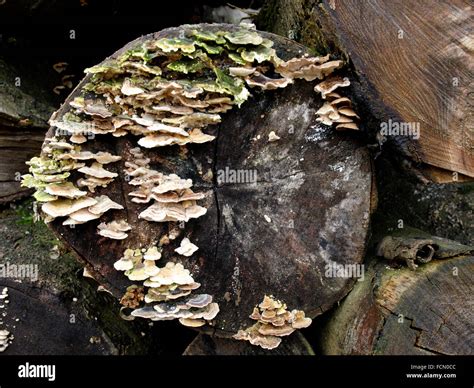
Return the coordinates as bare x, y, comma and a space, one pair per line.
401, 311
206, 345
413, 60
310, 205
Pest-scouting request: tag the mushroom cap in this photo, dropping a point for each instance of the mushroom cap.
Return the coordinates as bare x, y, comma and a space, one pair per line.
266, 83
66, 189
160, 127
83, 215
163, 139
163, 212
129, 89
152, 254
199, 301
189, 322
64, 207
301, 323
123, 264
78, 139
138, 272
172, 182
114, 230
104, 204
347, 126
186, 248
330, 84
144, 196
208, 313
255, 338
173, 273
150, 268
241, 71
279, 331
96, 170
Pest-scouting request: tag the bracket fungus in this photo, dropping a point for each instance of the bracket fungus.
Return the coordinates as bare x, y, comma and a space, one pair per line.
114, 230
186, 248
336, 109
273, 321
153, 103
166, 291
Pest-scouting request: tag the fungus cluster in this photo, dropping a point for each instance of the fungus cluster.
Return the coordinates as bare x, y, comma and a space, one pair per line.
52, 173
115, 230
167, 92
172, 196
273, 322
166, 290
336, 109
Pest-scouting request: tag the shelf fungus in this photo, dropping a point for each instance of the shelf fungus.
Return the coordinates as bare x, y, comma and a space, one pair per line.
173, 198
273, 322
186, 248
51, 175
193, 311
166, 291
167, 92
114, 230
336, 109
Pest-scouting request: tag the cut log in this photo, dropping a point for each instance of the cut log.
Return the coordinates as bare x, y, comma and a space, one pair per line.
206, 345
406, 312
414, 62
309, 207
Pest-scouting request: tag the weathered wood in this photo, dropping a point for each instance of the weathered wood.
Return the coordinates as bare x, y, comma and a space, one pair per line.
17, 145
413, 60
400, 311
314, 185
206, 345
23, 122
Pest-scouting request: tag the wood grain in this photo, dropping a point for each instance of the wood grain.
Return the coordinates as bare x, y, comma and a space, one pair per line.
412, 63
400, 311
